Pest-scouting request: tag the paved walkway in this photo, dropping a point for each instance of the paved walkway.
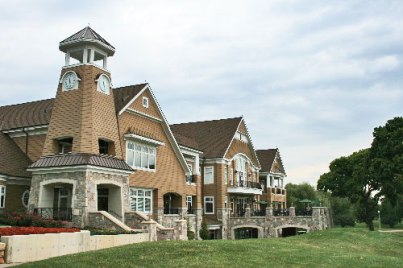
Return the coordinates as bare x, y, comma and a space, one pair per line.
390, 231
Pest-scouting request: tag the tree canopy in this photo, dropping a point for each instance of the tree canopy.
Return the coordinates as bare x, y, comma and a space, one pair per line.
369, 174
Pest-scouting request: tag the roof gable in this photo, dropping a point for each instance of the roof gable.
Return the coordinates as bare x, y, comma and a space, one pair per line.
212, 137
268, 160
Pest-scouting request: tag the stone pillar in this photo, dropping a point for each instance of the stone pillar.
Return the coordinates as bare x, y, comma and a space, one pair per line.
269, 211
247, 212
181, 230
160, 215
292, 211
222, 215
150, 227
199, 219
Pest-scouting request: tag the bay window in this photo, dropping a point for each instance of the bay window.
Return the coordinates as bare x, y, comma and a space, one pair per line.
140, 156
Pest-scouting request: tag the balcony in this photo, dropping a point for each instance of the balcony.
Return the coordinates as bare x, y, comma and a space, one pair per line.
245, 187
60, 214
191, 179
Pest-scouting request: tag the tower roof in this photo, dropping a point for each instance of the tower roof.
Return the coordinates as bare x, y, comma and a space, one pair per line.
86, 35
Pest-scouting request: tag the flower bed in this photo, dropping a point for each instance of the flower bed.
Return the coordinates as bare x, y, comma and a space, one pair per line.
8, 231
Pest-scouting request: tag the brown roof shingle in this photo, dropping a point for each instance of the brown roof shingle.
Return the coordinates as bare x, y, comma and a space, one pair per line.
123, 95
211, 137
27, 114
38, 113
13, 161
266, 159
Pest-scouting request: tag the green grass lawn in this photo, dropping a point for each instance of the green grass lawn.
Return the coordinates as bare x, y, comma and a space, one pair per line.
338, 247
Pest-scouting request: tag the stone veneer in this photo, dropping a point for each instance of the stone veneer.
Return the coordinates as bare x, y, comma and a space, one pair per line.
83, 183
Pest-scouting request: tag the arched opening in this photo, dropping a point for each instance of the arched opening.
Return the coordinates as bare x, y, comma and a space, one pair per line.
246, 233
292, 231
172, 203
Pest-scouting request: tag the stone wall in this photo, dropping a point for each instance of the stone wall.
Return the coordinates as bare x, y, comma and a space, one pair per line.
271, 226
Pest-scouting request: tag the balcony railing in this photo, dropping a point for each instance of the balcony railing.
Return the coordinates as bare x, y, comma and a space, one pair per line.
62, 214
303, 212
246, 184
281, 212
168, 211
191, 179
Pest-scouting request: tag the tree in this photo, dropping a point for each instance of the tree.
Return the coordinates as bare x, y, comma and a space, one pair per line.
342, 211
297, 192
390, 214
367, 175
204, 233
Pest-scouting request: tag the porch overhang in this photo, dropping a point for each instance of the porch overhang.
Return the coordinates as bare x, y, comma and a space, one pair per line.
244, 190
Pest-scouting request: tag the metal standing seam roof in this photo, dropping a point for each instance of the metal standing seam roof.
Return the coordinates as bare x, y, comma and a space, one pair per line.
86, 34
79, 159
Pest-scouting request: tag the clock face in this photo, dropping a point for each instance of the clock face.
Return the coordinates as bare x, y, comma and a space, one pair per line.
104, 84
69, 80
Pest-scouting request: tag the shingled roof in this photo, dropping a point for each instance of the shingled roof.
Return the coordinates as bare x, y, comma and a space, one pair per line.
37, 113
211, 137
34, 113
266, 159
80, 159
13, 162
123, 95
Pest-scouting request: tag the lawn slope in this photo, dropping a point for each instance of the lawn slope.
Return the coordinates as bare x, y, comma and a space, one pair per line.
338, 247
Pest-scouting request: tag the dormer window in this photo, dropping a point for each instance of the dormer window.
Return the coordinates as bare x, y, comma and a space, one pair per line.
145, 102
140, 156
65, 145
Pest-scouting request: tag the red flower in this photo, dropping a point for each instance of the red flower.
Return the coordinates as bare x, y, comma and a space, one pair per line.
34, 230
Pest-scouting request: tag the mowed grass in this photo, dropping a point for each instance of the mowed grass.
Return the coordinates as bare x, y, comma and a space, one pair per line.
337, 247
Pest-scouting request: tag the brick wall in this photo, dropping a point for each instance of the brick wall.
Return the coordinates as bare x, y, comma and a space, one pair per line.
35, 145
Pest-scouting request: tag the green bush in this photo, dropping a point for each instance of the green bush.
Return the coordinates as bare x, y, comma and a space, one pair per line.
191, 235
204, 233
342, 211
97, 231
28, 219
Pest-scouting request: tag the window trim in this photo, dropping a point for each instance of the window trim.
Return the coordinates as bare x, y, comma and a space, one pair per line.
211, 202
212, 175
144, 197
2, 196
145, 102
23, 197
133, 151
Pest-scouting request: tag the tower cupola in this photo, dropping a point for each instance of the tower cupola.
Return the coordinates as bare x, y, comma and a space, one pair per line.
86, 47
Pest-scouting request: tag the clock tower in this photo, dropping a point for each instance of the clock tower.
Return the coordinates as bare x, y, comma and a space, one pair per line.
83, 117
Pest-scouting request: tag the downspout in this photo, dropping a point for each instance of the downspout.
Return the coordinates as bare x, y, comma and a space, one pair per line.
26, 140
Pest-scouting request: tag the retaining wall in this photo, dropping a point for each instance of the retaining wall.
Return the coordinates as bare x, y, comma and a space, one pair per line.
34, 247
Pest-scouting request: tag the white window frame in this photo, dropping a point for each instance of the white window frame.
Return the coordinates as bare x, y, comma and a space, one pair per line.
141, 149
189, 200
145, 102
209, 179
2, 196
134, 194
23, 198
211, 201
225, 174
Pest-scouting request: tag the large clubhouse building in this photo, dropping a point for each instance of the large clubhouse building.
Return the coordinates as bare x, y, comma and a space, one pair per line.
94, 148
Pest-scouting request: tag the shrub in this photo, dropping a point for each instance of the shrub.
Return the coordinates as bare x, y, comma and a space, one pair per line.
97, 231
342, 211
191, 235
29, 219
204, 233
34, 230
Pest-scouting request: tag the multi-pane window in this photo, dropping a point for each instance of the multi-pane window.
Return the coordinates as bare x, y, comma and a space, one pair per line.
2, 196
189, 203
141, 200
208, 175
140, 156
209, 204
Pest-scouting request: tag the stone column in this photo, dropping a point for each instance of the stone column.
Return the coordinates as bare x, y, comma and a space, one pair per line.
269, 211
150, 227
247, 212
292, 211
181, 230
199, 219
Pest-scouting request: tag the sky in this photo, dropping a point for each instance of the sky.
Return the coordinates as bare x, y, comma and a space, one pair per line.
312, 78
